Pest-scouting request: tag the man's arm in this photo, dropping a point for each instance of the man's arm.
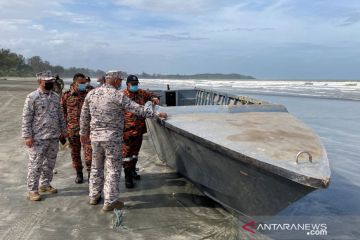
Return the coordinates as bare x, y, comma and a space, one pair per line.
150, 96
62, 123
27, 121
64, 98
85, 119
131, 106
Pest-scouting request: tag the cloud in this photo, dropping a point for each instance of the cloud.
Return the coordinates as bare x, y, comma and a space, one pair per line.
350, 20
165, 5
172, 37
76, 18
37, 27
245, 29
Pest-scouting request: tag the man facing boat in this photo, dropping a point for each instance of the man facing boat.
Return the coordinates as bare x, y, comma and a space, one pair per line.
102, 121
134, 129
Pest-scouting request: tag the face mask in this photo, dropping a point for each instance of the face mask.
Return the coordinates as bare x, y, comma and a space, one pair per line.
134, 88
82, 87
48, 86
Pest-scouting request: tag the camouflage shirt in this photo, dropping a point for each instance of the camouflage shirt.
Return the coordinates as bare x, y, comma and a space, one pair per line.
72, 101
135, 125
42, 116
102, 115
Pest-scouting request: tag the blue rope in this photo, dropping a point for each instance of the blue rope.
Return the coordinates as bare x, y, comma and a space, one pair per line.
118, 219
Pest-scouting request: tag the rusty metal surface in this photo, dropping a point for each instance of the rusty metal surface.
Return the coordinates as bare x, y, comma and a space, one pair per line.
272, 137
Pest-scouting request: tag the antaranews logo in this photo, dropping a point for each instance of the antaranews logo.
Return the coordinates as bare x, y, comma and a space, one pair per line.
312, 229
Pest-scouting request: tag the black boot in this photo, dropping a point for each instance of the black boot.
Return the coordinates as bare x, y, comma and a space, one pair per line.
128, 176
79, 177
136, 176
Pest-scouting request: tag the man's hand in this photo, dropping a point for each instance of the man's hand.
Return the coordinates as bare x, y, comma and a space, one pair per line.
84, 139
29, 142
162, 115
155, 101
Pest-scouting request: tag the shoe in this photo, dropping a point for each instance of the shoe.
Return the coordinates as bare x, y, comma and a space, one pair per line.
128, 178
96, 200
79, 177
34, 196
115, 205
48, 189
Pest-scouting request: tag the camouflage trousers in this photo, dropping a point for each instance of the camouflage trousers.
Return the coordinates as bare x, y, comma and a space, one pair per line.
42, 158
131, 145
105, 155
75, 146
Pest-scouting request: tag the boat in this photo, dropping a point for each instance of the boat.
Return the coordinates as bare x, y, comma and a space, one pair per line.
251, 156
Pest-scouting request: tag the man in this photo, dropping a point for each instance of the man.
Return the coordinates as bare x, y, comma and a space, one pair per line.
102, 119
134, 129
88, 86
58, 85
42, 125
72, 102
101, 81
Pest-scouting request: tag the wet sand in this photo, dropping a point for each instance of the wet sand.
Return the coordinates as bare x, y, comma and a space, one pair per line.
163, 205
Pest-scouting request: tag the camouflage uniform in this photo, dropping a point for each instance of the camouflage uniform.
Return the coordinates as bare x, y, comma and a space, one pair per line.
43, 121
134, 128
102, 117
72, 102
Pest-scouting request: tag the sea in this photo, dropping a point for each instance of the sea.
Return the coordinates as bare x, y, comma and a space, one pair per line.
332, 109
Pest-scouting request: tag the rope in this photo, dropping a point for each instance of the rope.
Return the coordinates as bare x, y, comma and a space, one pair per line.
118, 218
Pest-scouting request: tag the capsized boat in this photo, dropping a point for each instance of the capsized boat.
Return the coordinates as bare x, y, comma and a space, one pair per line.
249, 155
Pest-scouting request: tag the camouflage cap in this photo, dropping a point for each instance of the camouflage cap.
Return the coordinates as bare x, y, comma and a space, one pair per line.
113, 74
46, 76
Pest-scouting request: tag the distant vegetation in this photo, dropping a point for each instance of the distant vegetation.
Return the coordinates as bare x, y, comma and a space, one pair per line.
16, 65
196, 76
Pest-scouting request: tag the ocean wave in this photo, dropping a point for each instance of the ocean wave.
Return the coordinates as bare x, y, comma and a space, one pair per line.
349, 90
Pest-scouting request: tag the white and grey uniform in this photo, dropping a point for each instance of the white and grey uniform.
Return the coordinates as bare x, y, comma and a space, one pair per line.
43, 121
102, 117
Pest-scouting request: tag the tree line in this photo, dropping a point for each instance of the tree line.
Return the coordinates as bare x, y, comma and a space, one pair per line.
16, 65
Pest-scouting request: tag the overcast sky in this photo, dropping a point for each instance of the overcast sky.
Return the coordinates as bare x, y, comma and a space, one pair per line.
273, 39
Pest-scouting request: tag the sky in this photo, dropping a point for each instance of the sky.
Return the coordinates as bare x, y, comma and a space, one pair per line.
267, 39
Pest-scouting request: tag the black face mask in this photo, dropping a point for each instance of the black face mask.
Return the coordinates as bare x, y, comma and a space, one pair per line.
49, 85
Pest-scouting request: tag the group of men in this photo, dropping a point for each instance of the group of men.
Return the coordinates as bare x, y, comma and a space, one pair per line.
108, 123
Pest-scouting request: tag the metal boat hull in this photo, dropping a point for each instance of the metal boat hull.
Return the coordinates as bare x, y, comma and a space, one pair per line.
225, 177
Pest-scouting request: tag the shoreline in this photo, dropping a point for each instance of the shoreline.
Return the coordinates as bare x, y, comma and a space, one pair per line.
163, 205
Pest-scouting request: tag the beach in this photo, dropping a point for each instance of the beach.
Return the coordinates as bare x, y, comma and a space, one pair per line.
163, 205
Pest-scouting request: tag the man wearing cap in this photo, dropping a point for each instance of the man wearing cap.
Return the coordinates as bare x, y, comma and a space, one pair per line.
134, 129
72, 101
58, 85
102, 119
42, 125
101, 81
88, 84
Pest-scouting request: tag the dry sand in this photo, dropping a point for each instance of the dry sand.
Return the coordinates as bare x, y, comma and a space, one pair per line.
162, 206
